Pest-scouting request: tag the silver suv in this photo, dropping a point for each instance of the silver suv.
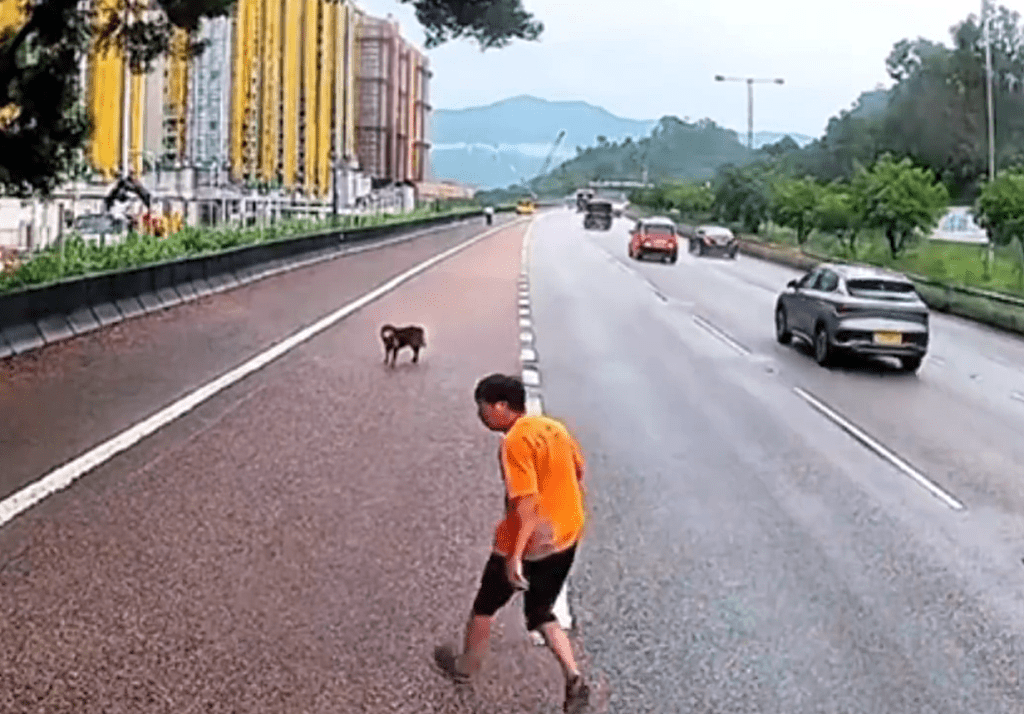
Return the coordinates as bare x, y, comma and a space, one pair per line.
854, 310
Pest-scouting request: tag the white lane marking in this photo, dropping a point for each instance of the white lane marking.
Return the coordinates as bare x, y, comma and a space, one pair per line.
525, 322
526, 337
937, 360
524, 302
63, 476
535, 406
562, 609
1017, 395
524, 312
880, 449
721, 334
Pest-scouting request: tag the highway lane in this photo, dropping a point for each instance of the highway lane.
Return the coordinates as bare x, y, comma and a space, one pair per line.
747, 554
298, 543
66, 398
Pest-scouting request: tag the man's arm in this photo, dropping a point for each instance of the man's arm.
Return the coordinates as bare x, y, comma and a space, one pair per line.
525, 508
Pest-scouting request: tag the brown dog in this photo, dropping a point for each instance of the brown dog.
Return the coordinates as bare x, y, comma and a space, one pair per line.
395, 338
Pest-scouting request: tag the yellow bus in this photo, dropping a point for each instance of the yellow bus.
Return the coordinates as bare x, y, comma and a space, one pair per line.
525, 207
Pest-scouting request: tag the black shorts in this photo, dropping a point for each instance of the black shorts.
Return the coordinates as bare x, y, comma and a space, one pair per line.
546, 578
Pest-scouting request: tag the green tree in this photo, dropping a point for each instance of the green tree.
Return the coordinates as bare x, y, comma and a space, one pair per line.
900, 199
493, 24
793, 202
1000, 211
742, 195
692, 200
840, 213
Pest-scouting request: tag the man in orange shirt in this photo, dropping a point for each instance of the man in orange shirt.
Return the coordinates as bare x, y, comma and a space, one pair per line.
535, 543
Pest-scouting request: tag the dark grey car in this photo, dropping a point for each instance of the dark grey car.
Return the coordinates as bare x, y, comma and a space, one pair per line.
854, 310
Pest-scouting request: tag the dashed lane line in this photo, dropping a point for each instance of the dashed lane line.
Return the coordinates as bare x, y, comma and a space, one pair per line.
535, 402
880, 449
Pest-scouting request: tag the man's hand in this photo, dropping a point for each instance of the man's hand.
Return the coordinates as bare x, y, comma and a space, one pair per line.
514, 573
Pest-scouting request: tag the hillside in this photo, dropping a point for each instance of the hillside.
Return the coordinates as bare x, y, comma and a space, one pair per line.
504, 142
507, 141
674, 150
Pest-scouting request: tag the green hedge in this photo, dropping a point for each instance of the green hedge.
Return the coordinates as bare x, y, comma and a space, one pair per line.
80, 257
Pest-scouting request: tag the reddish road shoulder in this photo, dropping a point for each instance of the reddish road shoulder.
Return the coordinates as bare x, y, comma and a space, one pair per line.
299, 543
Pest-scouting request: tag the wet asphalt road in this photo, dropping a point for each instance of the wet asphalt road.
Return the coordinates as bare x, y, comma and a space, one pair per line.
298, 543
301, 541
745, 554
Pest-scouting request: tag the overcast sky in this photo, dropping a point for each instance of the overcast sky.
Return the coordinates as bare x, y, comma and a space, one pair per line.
643, 59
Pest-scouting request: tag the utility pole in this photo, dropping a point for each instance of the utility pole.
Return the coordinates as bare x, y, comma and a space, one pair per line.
750, 100
988, 85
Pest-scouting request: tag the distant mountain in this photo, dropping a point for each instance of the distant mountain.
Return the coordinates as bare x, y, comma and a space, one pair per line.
507, 141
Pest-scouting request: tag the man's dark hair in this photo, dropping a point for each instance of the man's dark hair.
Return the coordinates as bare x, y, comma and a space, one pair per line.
501, 388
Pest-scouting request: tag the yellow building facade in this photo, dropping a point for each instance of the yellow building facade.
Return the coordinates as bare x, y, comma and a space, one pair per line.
293, 96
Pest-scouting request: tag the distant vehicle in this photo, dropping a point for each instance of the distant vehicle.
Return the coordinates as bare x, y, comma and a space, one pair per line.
583, 195
525, 207
714, 239
656, 235
599, 215
100, 224
862, 311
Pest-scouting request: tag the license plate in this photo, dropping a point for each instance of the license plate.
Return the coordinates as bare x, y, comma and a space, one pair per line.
888, 338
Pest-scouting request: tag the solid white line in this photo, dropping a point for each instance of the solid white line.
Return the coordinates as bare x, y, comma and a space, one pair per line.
720, 334
63, 476
873, 444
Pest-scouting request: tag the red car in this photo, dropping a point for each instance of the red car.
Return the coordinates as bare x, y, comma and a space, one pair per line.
657, 236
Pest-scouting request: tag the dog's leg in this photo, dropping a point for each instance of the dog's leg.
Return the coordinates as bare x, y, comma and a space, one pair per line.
415, 355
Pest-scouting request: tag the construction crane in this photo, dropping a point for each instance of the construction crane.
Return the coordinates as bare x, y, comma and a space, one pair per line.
544, 168
551, 154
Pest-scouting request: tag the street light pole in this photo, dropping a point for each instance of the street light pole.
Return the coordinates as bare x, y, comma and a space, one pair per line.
750, 100
988, 85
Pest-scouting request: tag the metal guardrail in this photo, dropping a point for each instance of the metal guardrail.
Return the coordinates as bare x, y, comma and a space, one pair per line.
40, 315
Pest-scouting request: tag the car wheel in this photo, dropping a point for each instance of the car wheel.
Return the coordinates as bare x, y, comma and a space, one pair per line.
912, 363
673, 258
700, 249
822, 348
782, 333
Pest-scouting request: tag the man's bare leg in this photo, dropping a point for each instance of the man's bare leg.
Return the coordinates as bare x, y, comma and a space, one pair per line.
478, 636
577, 691
558, 643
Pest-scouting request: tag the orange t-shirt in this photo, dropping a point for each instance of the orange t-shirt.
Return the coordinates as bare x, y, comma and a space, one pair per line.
538, 456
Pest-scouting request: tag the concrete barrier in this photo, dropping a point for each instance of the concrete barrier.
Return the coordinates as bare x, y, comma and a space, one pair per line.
33, 317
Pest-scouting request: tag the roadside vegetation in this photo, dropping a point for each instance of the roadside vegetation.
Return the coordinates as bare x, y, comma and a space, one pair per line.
76, 256
882, 217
